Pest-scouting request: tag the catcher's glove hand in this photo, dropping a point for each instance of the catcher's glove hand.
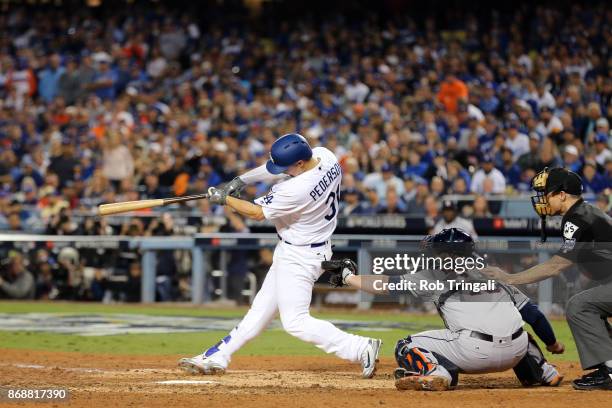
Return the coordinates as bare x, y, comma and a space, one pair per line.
340, 270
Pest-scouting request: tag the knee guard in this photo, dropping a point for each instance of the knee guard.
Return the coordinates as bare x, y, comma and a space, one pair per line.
529, 370
419, 361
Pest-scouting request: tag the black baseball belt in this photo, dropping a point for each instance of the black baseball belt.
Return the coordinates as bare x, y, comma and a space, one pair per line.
488, 337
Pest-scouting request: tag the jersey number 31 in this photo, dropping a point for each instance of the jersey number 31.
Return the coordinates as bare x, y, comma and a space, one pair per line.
334, 200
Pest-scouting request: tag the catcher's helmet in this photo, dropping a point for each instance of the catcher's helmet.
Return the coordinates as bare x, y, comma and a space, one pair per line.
453, 241
288, 150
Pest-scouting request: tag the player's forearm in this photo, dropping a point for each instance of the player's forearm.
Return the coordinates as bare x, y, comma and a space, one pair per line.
553, 267
533, 316
260, 174
368, 283
246, 208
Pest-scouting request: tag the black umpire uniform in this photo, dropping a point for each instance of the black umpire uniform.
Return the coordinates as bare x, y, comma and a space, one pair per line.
587, 243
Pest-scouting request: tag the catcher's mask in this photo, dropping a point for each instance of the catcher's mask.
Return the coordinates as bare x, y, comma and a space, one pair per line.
552, 181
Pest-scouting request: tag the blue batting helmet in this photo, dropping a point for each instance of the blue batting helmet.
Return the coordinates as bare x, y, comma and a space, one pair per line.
288, 150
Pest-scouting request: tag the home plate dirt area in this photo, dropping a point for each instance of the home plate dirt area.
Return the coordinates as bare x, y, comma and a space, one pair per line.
101, 380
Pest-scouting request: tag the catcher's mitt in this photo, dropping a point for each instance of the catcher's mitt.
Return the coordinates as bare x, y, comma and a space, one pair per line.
339, 269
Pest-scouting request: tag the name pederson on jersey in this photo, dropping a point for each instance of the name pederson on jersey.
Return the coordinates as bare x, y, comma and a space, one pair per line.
304, 208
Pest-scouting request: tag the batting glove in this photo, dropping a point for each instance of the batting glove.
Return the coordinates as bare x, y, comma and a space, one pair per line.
234, 187
217, 195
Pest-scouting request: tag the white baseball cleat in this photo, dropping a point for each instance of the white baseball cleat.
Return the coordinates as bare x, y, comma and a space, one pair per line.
369, 358
201, 365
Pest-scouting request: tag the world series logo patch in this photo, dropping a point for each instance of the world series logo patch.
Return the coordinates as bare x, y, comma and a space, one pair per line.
569, 229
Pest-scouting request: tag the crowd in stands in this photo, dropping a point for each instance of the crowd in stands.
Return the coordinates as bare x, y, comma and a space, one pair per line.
134, 103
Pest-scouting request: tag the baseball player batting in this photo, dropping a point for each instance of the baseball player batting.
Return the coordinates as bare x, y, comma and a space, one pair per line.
303, 205
483, 332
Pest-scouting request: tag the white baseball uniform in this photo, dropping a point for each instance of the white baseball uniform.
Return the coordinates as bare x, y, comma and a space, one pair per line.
494, 313
304, 211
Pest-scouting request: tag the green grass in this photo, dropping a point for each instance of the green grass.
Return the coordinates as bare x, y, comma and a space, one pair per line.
271, 342
170, 309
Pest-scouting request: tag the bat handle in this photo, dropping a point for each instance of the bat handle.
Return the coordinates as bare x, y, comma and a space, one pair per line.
183, 199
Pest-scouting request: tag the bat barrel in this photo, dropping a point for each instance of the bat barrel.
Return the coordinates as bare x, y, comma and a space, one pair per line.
127, 206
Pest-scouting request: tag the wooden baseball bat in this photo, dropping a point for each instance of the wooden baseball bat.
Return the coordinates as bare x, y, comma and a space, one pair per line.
127, 206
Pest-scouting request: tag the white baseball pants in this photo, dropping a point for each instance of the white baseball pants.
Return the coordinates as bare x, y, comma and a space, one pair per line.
469, 354
287, 289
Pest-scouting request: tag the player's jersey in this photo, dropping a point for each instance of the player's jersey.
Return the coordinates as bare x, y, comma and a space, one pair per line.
304, 209
587, 240
491, 312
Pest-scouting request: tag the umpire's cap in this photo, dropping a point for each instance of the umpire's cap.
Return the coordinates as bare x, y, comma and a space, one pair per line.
552, 181
557, 179
288, 150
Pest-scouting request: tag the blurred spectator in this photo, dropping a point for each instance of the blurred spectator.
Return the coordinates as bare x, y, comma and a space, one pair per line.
451, 219
602, 151
517, 142
571, 160
16, 282
118, 164
383, 181
509, 168
603, 202
49, 78
593, 182
531, 159
68, 276
393, 204
488, 180
481, 208
452, 91
103, 84
351, 202
549, 125
64, 165
131, 291
432, 211
69, 83
372, 205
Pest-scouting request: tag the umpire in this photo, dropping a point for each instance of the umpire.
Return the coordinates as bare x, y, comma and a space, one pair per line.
587, 243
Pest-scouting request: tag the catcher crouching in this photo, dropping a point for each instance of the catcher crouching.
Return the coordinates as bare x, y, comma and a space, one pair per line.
484, 330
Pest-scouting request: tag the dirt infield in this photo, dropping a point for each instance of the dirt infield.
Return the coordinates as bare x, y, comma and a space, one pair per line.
96, 380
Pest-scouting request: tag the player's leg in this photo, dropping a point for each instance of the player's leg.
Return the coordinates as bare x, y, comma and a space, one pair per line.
533, 369
299, 269
215, 359
587, 314
423, 363
451, 353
